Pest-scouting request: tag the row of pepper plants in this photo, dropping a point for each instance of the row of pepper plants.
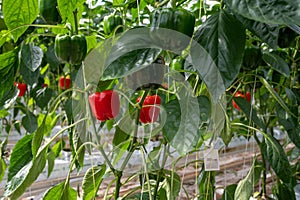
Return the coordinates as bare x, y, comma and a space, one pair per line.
182, 72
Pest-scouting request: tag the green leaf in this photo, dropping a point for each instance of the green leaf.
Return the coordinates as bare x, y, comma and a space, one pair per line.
144, 196
291, 96
48, 120
61, 191
29, 121
51, 162
51, 58
227, 133
218, 118
91, 42
249, 111
277, 63
119, 137
229, 192
121, 141
294, 135
270, 12
38, 138
291, 126
20, 156
205, 108
282, 191
275, 95
245, 187
69, 110
183, 121
3, 113
266, 32
91, 181
43, 97
31, 56
66, 9
274, 153
25, 176
19, 13
117, 2
2, 161
130, 62
8, 68
2, 168
171, 184
223, 36
29, 76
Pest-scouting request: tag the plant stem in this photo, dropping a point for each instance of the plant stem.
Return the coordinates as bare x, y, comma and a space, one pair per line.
118, 175
264, 179
75, 12
132, 146
157, 183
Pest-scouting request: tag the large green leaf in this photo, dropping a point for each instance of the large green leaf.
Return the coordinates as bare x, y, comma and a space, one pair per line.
205, 108
171, 184
25, 176
43, 96
277, 63
20, 156
229, 192
115, 58
29, 122
61, 191
223, 36
276, 96
66, 9
31, 56
291, 126
50, 162
245, 187
91, 181
271, 12
19, 13
38, 136
274, 153
183, 120
8, 68
28, 75
130, 62
266, 32
249, 111
282, 191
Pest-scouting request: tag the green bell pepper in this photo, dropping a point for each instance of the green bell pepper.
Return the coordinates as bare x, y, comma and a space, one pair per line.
110, 22
179, 20
70, 49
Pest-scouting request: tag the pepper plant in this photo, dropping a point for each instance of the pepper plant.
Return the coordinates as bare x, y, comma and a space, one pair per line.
182, 73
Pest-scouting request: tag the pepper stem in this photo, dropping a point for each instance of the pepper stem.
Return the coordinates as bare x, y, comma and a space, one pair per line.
75, 12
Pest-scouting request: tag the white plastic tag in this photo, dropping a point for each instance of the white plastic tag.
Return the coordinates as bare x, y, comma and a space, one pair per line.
211, 160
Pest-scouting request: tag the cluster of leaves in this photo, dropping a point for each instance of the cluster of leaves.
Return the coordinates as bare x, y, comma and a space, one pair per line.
254, 46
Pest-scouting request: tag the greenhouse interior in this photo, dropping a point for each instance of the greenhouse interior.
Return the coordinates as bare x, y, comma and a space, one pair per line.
150, 99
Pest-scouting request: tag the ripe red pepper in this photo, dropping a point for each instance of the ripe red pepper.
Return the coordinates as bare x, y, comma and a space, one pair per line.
239, 94
64, 82
248, 96
150, 110
105, 105
22, 88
